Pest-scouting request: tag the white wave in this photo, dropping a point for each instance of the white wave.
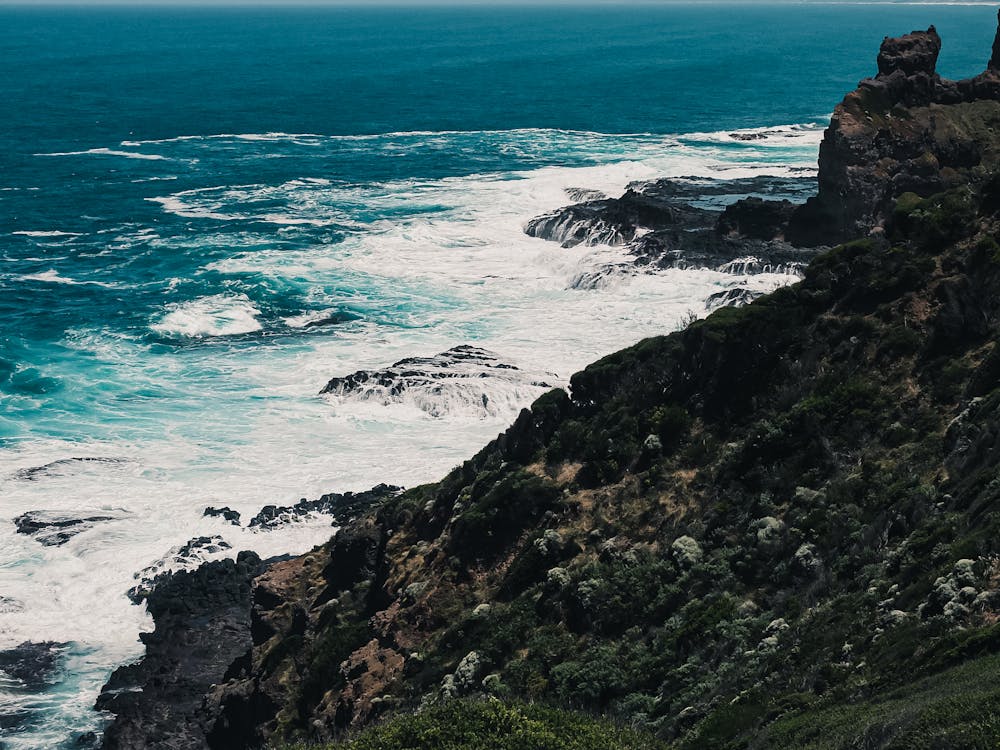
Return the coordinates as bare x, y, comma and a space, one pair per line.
168, 178
52, 276
231, 204
217, 315
50, 233
267, 137
108, 152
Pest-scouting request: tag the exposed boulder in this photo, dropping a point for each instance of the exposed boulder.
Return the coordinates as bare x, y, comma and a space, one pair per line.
227, 514
33, 664
910, 54
756, 218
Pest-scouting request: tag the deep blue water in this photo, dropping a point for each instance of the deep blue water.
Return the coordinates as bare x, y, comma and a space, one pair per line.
78, 79
183, 190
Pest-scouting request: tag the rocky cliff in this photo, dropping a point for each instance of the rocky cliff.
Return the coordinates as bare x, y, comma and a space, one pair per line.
779, 527
905, 130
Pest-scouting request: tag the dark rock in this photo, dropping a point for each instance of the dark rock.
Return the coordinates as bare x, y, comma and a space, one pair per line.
756, 218
580, 195
994, 63
911, 54
228, 514
187, 556
333, 319
708, 248
17, 719
340, 507
9, 604
592, 223
614, 221
355, 557
52, 528
202, 622
463, 378
35, 665
758, 136
734, 297
906, 130
686, 223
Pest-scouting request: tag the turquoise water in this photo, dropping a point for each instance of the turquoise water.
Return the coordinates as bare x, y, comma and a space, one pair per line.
183, 192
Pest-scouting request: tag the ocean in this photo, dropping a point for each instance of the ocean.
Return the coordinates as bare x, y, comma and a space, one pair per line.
206, 214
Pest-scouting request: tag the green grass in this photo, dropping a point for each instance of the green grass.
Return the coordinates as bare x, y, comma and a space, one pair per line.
958, 709
494, 725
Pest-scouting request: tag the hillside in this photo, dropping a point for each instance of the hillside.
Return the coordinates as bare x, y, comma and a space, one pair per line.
779, 527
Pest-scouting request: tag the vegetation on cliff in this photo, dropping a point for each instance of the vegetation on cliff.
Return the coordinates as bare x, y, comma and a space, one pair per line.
779, 527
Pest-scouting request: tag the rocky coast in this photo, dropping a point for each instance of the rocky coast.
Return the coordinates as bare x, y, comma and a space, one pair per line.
775, 528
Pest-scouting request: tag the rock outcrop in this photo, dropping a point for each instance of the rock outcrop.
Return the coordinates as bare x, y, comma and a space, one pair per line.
905, 130
202, 630
687, 223
340, 507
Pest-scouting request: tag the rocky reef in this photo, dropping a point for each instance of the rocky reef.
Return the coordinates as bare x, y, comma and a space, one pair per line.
905, 130
464, 379
777, 528
735, 226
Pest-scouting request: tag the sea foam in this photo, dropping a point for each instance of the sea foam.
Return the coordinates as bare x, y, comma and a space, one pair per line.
217, 315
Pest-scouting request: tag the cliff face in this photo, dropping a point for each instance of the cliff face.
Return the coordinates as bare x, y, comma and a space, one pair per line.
779, 527
905, 130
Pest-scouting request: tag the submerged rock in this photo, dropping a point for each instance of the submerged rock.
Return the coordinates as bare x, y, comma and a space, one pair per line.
463, 379
55, 528
62, 466
34, 664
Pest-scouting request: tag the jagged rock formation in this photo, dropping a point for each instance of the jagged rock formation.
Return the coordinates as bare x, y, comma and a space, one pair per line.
686, 223
340, 507
905, 130
202, 630
188, 556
